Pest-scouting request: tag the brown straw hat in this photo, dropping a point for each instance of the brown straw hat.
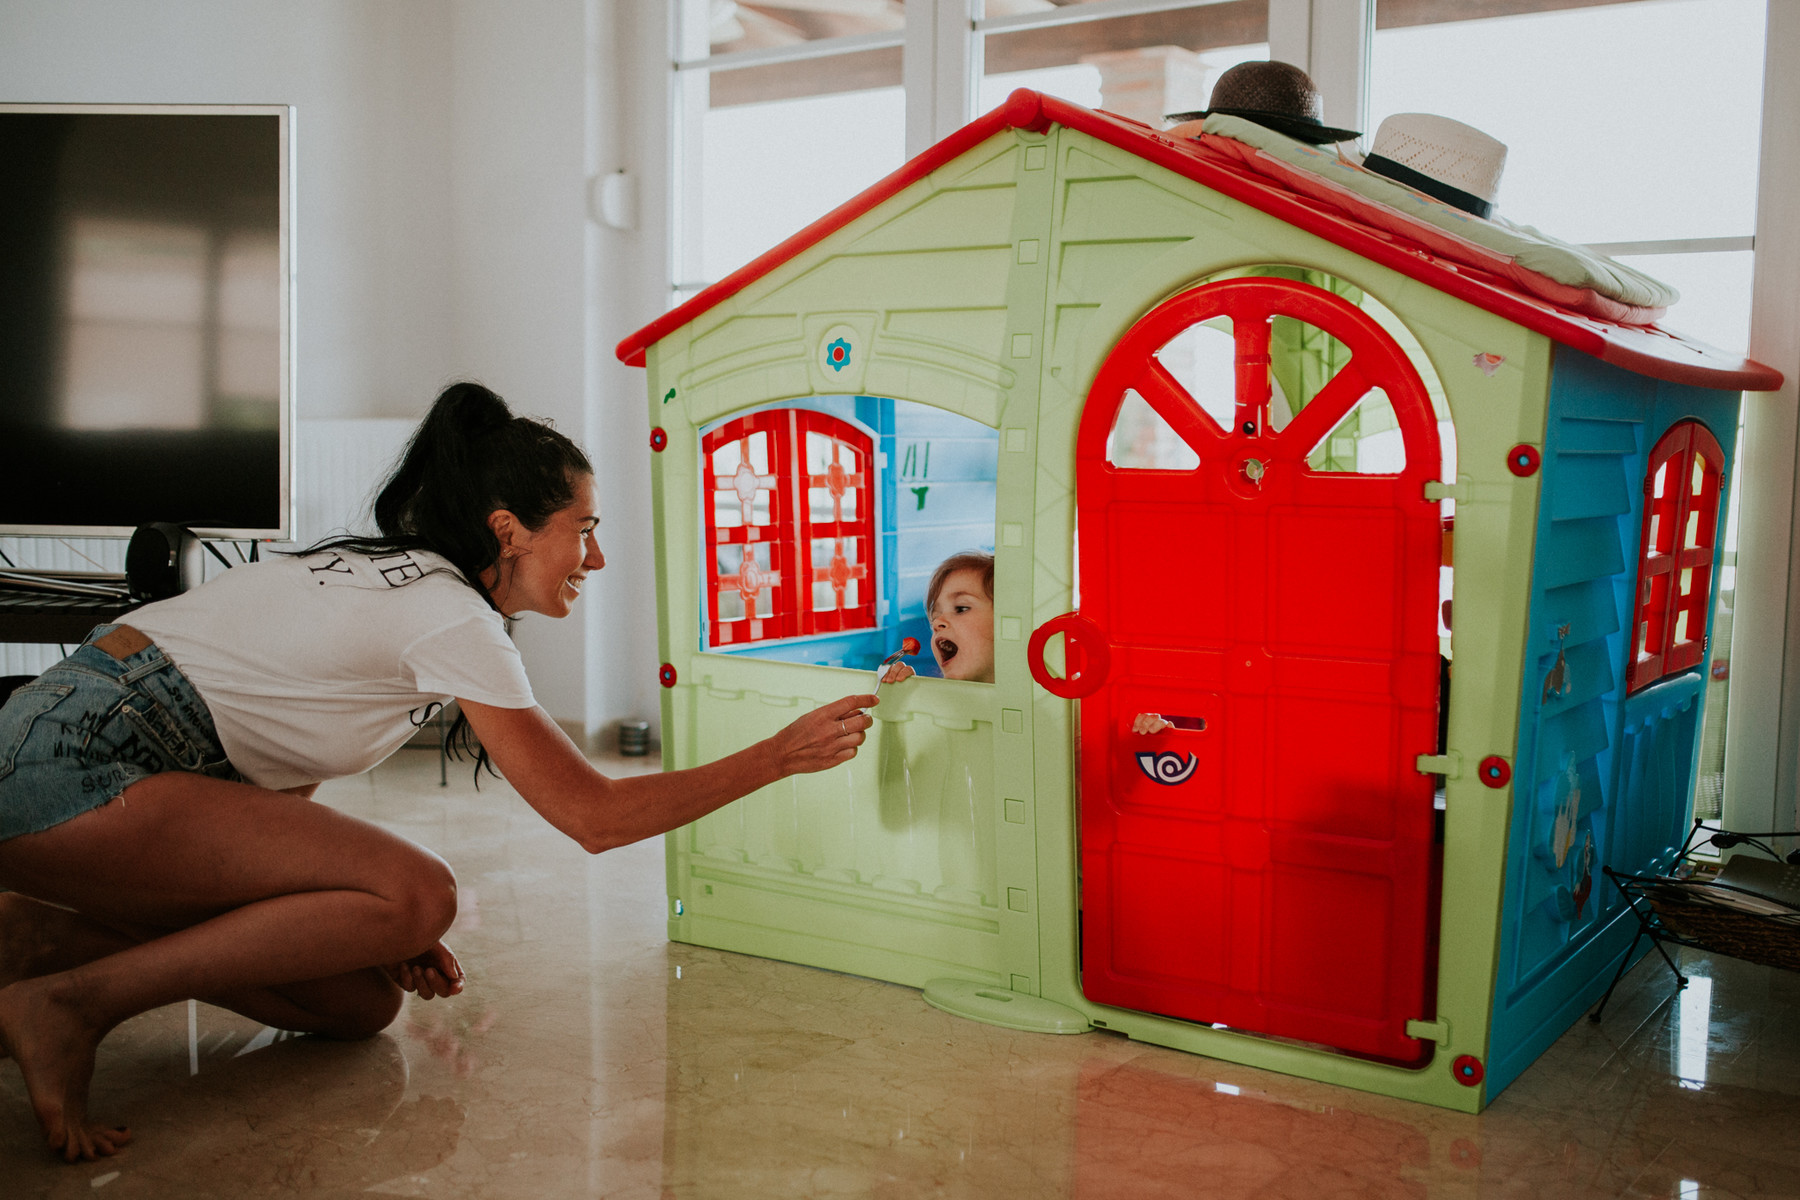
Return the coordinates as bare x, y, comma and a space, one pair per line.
1275, 95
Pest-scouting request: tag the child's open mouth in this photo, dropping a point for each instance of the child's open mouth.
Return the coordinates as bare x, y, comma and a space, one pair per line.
946, 649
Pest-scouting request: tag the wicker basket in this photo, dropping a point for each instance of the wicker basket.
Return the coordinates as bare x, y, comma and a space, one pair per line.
1769, 941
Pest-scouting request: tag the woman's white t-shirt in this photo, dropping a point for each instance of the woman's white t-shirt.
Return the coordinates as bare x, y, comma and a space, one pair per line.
321, 666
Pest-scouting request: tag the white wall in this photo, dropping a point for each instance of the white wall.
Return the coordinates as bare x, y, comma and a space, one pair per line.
441, 159
372, 132
538, 111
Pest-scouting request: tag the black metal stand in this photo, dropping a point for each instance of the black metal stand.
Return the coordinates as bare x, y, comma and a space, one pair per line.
1642, 893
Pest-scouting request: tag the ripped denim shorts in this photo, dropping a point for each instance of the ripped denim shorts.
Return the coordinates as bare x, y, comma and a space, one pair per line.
94, 724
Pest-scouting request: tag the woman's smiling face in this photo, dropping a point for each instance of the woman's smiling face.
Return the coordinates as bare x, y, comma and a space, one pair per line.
542, 570
962, 628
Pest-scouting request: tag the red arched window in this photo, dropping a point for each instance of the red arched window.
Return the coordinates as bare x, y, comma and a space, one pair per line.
790, 526
1675, 553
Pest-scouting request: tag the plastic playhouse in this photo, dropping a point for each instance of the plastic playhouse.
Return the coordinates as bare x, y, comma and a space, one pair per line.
1412, 545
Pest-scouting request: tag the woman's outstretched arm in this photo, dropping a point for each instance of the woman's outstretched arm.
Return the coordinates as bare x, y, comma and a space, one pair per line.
538, 759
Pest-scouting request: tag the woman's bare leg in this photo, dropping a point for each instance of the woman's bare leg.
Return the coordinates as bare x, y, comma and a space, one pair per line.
38, 939
263, 890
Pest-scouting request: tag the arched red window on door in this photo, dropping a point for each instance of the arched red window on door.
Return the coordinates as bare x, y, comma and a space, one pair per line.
790, 526
1675, 553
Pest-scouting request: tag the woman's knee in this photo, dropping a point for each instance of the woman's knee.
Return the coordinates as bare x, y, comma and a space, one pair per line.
427, 897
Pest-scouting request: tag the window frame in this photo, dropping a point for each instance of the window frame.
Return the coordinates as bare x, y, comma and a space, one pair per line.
1666, 550
793, 574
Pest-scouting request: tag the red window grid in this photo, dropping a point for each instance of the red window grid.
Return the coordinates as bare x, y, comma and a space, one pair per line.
777, 575
1675, 554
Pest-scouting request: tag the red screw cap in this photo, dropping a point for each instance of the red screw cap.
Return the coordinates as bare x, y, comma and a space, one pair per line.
1522, 460
1468, 1070
666, 676
658, 439
1494, 771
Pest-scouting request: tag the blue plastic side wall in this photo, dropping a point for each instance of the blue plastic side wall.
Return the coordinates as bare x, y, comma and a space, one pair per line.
1593, 768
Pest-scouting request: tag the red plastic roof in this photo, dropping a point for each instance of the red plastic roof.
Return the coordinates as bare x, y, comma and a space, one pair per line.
1647, 350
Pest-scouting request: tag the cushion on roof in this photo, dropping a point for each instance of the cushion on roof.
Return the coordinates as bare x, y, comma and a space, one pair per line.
1565, 274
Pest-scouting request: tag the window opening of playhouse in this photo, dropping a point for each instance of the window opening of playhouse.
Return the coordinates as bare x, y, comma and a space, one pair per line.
825, 518
1200, 360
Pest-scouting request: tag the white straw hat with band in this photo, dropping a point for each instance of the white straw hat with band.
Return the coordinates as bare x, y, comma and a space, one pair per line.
1445, 159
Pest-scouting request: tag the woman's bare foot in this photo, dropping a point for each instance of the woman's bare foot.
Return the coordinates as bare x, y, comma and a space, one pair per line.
54, 1047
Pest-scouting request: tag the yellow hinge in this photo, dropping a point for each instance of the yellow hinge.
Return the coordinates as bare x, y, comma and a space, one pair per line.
1429, 1031
1447, 764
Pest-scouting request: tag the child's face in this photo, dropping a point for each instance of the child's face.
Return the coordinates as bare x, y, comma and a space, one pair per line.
962, 628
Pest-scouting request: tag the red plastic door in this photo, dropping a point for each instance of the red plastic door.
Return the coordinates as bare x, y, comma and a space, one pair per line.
1265, 865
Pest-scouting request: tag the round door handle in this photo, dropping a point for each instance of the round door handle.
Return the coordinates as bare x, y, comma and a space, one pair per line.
1086, 656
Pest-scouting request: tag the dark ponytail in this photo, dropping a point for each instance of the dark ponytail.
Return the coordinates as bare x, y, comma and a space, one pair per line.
469, 457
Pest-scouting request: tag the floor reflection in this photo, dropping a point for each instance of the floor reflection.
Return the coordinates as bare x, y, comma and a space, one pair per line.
590, 1057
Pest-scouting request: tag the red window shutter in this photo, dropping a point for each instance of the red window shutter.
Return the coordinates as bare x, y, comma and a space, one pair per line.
1675, 555
789, 500
837, 523
748, 498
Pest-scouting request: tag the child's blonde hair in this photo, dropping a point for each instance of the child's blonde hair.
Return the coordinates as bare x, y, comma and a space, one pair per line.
968, 560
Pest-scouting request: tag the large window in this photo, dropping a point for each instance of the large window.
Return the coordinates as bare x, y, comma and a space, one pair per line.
1632, 125
1143, 65
803, 105
1667, 185
1664, 183
799, 106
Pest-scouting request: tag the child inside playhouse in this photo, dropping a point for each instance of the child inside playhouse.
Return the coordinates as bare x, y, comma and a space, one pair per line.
959, 602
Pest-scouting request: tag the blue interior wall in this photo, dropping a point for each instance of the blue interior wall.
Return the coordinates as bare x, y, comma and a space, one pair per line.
1591, 763
945, 470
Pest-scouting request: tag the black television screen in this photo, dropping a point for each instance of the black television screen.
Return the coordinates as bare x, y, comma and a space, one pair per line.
145, 357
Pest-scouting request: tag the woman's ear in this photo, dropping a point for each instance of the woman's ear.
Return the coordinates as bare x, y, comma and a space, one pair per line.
508, 530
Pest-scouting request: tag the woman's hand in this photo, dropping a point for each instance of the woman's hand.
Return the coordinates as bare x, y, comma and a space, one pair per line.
431, 974
824, 737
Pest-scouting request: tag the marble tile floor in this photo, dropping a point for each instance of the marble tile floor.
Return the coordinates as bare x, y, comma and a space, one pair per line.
590, 1057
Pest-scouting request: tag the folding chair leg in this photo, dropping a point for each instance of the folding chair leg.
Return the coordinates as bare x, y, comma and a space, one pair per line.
1680, 979
1617, 975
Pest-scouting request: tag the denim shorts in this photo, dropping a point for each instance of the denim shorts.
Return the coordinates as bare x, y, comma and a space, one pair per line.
91, 726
